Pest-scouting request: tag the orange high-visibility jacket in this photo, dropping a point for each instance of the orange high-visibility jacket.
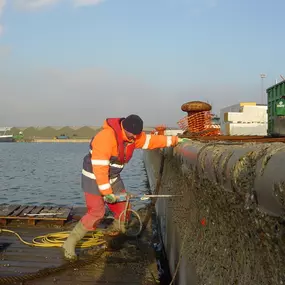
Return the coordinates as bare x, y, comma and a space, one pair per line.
102, 165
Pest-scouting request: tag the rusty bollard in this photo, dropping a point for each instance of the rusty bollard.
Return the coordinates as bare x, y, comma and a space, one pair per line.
196, 115
160, 129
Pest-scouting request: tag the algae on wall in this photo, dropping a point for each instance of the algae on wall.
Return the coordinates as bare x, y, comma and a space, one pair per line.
227, 240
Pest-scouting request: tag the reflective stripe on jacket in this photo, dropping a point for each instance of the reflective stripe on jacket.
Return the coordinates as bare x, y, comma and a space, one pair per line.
110, 150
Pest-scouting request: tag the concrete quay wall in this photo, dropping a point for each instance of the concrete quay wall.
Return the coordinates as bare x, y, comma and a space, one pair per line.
228, 227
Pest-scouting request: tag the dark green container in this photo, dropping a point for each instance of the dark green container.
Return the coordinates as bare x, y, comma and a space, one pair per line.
276, 109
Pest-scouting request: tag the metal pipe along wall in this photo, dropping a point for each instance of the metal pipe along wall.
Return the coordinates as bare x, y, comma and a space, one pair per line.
251, 169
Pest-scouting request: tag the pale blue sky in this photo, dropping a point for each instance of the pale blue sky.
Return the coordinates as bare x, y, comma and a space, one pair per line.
134, 56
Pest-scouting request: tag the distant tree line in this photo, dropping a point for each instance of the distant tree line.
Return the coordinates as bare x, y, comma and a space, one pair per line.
50, 132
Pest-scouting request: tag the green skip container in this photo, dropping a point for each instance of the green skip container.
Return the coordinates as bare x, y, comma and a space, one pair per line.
276, 109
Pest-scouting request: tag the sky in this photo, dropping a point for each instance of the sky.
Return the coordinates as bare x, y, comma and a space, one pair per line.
77, 62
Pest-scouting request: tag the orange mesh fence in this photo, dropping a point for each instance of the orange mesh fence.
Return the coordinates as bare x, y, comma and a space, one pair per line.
199, 123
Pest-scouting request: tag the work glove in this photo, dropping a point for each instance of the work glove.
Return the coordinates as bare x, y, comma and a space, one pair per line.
181, 140
110, 198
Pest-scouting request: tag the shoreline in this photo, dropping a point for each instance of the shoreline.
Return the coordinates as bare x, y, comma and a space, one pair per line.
53, 141
61, 140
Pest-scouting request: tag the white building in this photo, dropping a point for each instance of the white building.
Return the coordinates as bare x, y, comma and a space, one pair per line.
244, 119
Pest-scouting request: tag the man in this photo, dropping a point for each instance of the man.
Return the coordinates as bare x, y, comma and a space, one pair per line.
109, 151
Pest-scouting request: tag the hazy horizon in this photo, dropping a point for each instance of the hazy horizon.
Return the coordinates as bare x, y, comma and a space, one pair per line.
77, 62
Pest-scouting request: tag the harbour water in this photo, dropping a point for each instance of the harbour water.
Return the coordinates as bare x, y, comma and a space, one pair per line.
50, 174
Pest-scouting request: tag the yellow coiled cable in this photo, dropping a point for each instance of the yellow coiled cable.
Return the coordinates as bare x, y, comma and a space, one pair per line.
91, 239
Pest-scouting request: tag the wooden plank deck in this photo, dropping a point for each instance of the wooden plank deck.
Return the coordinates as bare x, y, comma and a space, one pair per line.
130, 263
33, 213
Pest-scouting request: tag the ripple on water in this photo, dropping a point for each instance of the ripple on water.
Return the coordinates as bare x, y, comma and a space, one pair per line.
49, 174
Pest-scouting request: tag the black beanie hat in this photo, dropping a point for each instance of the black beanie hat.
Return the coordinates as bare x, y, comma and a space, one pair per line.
133, 124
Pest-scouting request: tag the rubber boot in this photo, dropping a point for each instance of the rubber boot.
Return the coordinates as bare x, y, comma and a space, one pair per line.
78, 232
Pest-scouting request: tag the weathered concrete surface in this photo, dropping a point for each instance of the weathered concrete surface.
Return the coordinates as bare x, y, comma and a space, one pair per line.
229, 225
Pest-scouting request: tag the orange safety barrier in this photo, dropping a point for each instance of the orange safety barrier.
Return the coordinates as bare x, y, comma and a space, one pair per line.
199, 123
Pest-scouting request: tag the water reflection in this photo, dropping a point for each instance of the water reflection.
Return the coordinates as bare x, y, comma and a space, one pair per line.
49, 174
